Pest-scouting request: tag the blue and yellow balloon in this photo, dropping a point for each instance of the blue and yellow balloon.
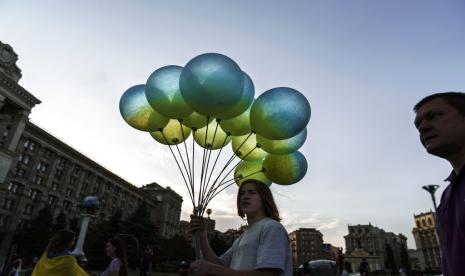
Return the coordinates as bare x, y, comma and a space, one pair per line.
137, 112
285, 169
211, 83
280, 113
163, 94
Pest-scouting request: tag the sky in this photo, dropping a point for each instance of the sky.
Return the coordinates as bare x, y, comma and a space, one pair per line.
361, 64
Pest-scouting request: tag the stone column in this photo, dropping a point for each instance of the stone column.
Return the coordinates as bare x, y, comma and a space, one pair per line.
18, 128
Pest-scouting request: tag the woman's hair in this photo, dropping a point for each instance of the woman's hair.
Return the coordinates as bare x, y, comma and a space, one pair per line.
60, 241
269, 206
120, 253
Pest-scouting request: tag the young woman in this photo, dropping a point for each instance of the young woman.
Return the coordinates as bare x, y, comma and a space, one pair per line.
263, 249
57, 259
119, 264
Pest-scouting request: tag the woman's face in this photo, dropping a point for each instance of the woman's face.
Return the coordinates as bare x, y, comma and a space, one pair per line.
250, 201
110, 249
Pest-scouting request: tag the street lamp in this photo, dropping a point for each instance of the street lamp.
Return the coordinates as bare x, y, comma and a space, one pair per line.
89, 205
431, 189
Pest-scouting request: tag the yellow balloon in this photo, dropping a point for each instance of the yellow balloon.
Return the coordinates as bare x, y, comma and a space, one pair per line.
246, 148
172, 134
215, 138
250, 170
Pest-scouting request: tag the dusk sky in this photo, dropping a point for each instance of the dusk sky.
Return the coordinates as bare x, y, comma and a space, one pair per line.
361, 64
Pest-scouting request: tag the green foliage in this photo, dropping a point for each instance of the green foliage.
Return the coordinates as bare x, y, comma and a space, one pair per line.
390, 261
34, 239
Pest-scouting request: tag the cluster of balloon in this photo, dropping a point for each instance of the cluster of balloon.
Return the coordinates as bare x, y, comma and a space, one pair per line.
213, 99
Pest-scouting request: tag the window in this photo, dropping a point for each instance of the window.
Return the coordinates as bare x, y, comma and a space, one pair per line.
24, 158
33, 194
13, 188
42, 167
62, 161
55, 186
72, 180
76, 169
4, 221
37, 179
19, 172
28, 209
58, 174
430, 222
85, 185
23, 224
29, 145
8, 203
52, 200
48, 153
69, 192
67, 205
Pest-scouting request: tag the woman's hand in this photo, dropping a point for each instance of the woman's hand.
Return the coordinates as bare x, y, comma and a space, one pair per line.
197, 224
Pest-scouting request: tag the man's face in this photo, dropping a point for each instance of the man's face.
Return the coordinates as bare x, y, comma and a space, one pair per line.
441, 127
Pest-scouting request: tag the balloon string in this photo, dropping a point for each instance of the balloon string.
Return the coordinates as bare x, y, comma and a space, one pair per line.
229, 184
206, 183
203, 164
183, 163
193, 159
187, 153
245, 156
230, 160
216, 160
180, 169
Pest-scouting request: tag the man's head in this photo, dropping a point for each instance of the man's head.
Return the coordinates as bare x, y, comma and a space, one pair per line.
440, 120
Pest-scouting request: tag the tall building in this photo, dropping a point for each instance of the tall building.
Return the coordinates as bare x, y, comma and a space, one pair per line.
377, 246
306, 245
37, 169
427, 241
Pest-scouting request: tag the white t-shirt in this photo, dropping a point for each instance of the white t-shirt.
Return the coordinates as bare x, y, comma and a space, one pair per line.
264, 245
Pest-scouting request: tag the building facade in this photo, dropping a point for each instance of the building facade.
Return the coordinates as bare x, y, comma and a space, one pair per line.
383, 249
306, 245
37, 169
427, 241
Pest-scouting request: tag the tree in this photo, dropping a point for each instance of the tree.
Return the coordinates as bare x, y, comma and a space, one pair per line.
390, 261
404, 258
96, 238
60, 222
35, 238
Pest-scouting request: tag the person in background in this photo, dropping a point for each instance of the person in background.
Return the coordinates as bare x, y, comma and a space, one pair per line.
119, 264
440, 121
57, 259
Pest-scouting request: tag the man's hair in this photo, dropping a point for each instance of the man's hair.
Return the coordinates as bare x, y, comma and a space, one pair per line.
455, 99
60, 241
269, 206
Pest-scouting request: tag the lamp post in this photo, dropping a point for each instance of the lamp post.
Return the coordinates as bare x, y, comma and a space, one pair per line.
89, 206
431, 189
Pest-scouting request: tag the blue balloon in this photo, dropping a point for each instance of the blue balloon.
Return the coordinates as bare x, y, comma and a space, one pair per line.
244, 103
211, 83
280, 113
162, 91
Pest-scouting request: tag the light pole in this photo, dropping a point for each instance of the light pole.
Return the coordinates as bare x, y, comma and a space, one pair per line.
89, 205
431, 189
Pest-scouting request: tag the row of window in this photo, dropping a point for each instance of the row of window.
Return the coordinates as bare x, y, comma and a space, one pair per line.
8, 203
